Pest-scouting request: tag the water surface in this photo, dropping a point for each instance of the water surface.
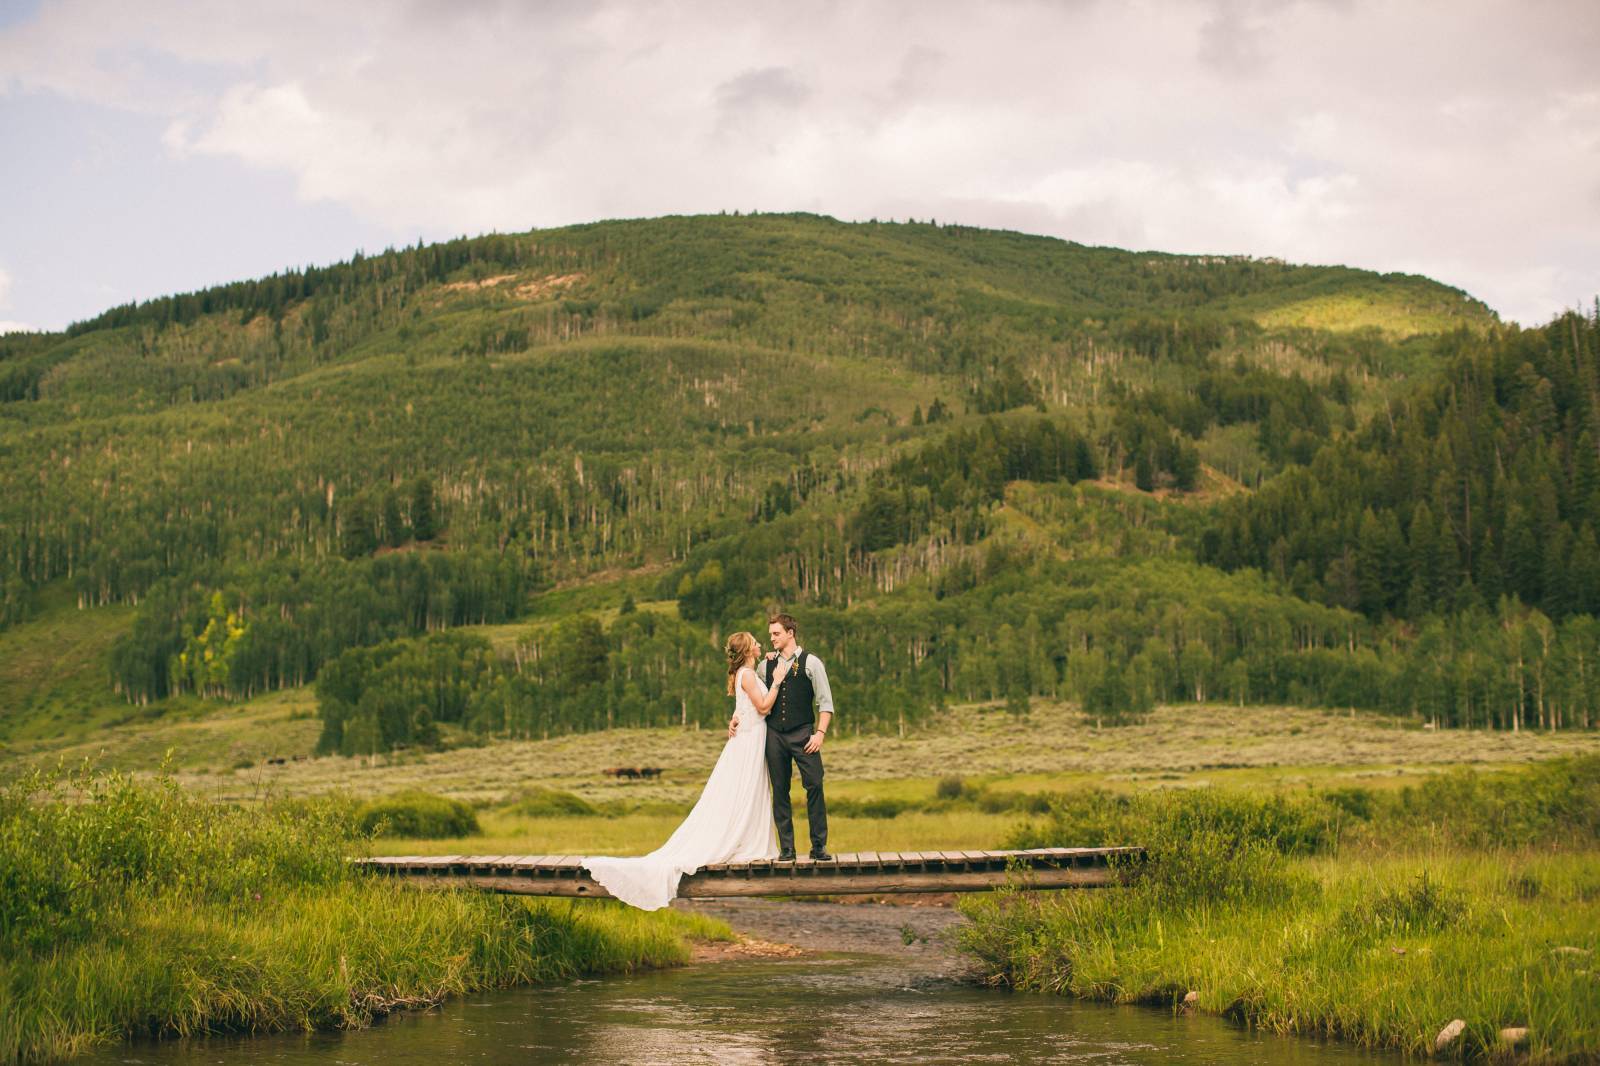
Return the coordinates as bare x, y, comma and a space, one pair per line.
864, 995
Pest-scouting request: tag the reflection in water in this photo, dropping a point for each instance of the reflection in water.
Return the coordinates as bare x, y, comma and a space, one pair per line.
880, 1008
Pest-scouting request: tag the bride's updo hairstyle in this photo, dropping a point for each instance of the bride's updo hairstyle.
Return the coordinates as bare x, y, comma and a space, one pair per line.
740, 647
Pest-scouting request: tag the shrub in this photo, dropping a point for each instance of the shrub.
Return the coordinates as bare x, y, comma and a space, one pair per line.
1556, 802
1205, 844
1098, 818
950, 788
870, 807
540, 802
416, 814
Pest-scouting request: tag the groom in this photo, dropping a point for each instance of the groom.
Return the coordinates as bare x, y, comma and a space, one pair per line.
796, 726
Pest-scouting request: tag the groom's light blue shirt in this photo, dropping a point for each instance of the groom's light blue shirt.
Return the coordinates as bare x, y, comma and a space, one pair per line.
817, 674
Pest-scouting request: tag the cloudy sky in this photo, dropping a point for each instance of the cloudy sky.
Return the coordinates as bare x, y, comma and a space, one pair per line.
159, 146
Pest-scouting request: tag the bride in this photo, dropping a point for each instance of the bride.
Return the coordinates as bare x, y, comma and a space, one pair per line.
732, 820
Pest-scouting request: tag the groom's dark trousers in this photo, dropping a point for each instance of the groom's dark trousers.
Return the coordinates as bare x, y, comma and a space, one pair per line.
784, 749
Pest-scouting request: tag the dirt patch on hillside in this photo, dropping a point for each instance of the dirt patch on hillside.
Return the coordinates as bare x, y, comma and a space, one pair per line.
540, 286
531, 289
482, 283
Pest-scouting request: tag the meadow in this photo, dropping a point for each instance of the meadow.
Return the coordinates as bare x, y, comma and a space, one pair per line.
228, 753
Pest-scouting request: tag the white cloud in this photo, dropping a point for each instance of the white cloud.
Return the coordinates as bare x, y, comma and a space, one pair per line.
1460, 140
7, 326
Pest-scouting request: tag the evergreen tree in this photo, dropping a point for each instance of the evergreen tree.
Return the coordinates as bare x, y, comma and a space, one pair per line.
423, 526
358, 528
394, 525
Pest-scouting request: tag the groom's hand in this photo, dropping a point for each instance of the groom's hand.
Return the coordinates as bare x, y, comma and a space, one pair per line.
814, 745
733, 726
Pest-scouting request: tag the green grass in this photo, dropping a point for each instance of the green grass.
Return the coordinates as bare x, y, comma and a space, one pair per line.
136, 909
1317, 963
54, 670
1372, 918
306, 959
1396, 313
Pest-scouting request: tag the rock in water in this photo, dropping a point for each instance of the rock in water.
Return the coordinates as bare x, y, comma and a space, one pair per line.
1514, 1036
1190, 998
1449, 1034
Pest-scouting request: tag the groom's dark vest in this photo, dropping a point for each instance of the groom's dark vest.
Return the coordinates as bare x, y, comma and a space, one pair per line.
796, 696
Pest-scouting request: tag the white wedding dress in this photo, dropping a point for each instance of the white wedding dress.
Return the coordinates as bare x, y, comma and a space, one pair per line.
731, 821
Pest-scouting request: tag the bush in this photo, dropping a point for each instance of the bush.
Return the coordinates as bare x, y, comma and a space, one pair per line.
1097, 818
416, 814
1205, 844
950, 788
1554, 802
540, 802
870, 807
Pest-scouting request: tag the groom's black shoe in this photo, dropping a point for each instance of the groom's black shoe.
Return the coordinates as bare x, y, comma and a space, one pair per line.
821, 856
786, 856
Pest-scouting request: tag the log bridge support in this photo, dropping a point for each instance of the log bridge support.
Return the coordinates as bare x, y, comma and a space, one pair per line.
867, 872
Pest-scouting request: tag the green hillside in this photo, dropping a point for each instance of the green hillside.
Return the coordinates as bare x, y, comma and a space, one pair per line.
982, 465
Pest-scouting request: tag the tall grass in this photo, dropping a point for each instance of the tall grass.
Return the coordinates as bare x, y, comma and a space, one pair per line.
133, 908
1374, 919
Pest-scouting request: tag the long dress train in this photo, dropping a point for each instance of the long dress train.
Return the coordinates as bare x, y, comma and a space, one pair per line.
730, 822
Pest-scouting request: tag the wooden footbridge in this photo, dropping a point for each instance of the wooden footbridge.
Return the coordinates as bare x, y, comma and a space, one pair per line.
867, 872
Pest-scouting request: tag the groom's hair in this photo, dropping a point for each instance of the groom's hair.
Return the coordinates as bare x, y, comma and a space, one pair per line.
784, 620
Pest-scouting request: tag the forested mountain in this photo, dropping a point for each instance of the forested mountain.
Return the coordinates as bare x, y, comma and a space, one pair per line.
982, 465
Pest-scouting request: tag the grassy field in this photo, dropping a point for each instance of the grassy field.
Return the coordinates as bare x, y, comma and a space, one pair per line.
221, 755
54, 671
1187, 744
1376, 918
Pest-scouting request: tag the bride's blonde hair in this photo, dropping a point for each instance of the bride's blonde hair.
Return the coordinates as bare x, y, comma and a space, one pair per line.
741, 646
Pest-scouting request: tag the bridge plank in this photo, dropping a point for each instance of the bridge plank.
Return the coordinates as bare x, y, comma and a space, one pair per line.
855, 872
